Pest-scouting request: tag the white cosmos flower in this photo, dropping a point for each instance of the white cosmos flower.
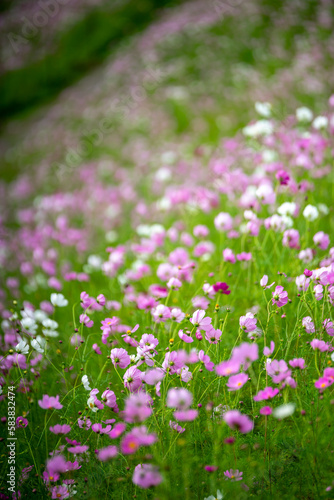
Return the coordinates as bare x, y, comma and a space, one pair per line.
40, 316
304, 114
261, 127
287, 208
58, 299
29, 324
263, 108
38, 344
91, 404
320, 122
85, 382
311, 212
22, 347
50, 323
219, 496
284, 411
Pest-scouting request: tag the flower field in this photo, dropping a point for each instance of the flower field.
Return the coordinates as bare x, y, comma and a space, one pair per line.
167, 266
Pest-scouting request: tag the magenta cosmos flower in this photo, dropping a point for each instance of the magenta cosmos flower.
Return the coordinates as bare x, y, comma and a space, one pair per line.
222, 287
146, 475
21, 422
48, 402
280, 296
266, 410
120, 357
235, 382
235, 420
199, 321
267, 393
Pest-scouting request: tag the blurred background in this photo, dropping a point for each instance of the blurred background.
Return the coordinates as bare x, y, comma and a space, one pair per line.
87, 80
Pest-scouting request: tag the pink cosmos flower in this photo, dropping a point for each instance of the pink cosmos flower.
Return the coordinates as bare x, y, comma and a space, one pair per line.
129, 444
297, 363
161, 313
213, 336
146, 475
21, 422
291, 238
137, 407
234, 475
264, 281
85, 319
107, 453
266, 410
172, 362
60, 492
280, 297
96, 348
56, 465
177, 315
245, 353
319, 344
267, 393
223, 221
99, 429
321, 239
308, 324
329, 327
152, 377
204, 358
148, 340
120, 358
109, 398
179, 398
78, 450
329, 373
235, 420
186, 338
201, 302
48, 402
318, 292
226, 368
235, 382
132, 378
248, 322
244, 256
60, 429
174, 284
200, 231
176, 427
117, 431
267, 351
228, 255
199, 320
278, 370
322, 383
185, 415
